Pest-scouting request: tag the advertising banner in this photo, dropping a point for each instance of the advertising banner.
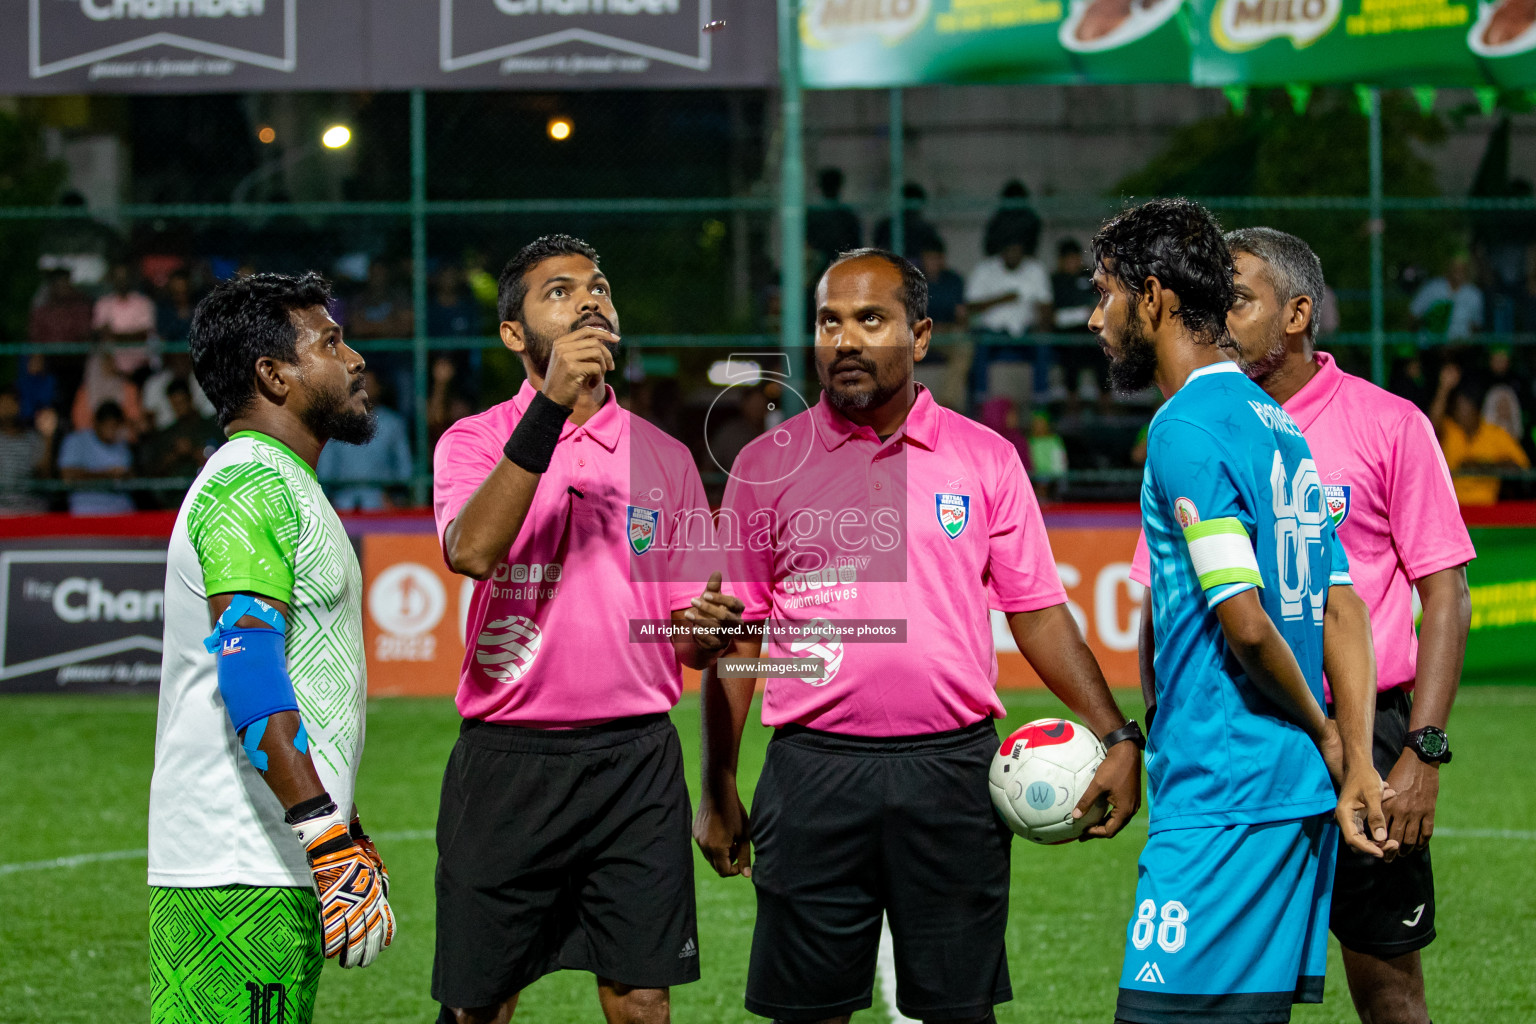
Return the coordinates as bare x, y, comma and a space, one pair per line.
415, 611
81, 615
159, 46
1503, 582
852, 43
1384, 42
1503, 39
581, 44
87, 614
1095, 569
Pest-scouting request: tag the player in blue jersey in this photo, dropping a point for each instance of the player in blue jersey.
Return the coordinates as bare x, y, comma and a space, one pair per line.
1251, 599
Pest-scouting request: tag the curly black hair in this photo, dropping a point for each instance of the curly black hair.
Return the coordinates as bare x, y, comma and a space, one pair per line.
1179, 243
511, 289
242, 320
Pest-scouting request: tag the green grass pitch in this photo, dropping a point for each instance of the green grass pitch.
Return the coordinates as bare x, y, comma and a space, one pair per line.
76, 771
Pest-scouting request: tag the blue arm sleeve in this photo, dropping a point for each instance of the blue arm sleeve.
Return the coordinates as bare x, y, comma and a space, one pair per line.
253, 671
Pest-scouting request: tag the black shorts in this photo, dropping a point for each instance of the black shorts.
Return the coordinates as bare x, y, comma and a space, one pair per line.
1385, 909
847, 828
563, 849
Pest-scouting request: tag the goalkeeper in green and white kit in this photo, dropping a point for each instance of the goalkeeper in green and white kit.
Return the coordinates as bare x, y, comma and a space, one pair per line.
258, 864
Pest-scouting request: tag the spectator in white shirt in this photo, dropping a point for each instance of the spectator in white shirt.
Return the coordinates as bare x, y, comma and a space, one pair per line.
1450, 305
1009, 293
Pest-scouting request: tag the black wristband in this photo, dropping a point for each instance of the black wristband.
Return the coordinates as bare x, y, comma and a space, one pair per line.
1129, 731
314, 807
533, 440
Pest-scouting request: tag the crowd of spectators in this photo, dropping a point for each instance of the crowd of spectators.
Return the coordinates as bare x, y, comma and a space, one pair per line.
115, 421
1011, 347
112, 427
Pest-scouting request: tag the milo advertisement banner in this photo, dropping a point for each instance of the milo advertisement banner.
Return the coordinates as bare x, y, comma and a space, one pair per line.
890, 43
1384, 42
1503, 39
887, 43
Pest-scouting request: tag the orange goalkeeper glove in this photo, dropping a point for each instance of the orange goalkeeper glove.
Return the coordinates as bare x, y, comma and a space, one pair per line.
354, 914
355, 830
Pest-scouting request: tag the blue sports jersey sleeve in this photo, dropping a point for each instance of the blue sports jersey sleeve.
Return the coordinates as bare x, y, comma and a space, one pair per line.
1338, 570
1196, 485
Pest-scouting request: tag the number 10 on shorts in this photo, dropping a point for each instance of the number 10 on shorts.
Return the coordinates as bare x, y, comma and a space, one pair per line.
1169, 931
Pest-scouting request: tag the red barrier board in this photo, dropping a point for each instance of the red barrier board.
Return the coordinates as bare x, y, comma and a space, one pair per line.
415, 608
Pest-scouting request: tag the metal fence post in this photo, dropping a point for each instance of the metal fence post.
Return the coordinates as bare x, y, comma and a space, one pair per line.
791, 182
898, 139
1378, 229
419, 374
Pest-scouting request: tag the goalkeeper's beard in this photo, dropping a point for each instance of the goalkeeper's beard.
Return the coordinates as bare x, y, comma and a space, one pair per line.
331, 418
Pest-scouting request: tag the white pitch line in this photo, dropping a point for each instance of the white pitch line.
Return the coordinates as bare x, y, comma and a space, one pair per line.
887, 962
1525, 835
885, 970
72, 862
82, 859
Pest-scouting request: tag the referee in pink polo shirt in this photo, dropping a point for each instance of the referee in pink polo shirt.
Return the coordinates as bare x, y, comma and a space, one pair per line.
562, 836
875, 532
1389, 494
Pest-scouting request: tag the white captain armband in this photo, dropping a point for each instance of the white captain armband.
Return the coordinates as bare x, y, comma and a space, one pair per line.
1223, 554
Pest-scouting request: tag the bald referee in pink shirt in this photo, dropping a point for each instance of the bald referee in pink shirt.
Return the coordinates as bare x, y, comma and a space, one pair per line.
562, 836
1389, 494
874, 533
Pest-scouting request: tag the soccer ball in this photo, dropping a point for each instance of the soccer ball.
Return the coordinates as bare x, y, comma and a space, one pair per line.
1039, 774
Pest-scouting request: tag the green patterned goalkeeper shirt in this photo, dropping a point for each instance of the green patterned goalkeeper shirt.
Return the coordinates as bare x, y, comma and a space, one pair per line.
256, 521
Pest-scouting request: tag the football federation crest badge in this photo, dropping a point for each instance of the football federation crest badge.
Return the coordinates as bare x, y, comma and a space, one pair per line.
954, 511
642, 528
1337, 497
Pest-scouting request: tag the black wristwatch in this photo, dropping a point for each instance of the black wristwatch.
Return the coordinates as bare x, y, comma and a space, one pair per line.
1129, 731
1430, 744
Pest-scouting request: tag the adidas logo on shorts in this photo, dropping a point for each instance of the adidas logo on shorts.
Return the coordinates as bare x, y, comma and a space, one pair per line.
689, 949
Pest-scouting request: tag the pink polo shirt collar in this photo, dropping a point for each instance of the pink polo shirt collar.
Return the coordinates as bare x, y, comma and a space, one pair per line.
1308, 403
921, 426
605, 427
